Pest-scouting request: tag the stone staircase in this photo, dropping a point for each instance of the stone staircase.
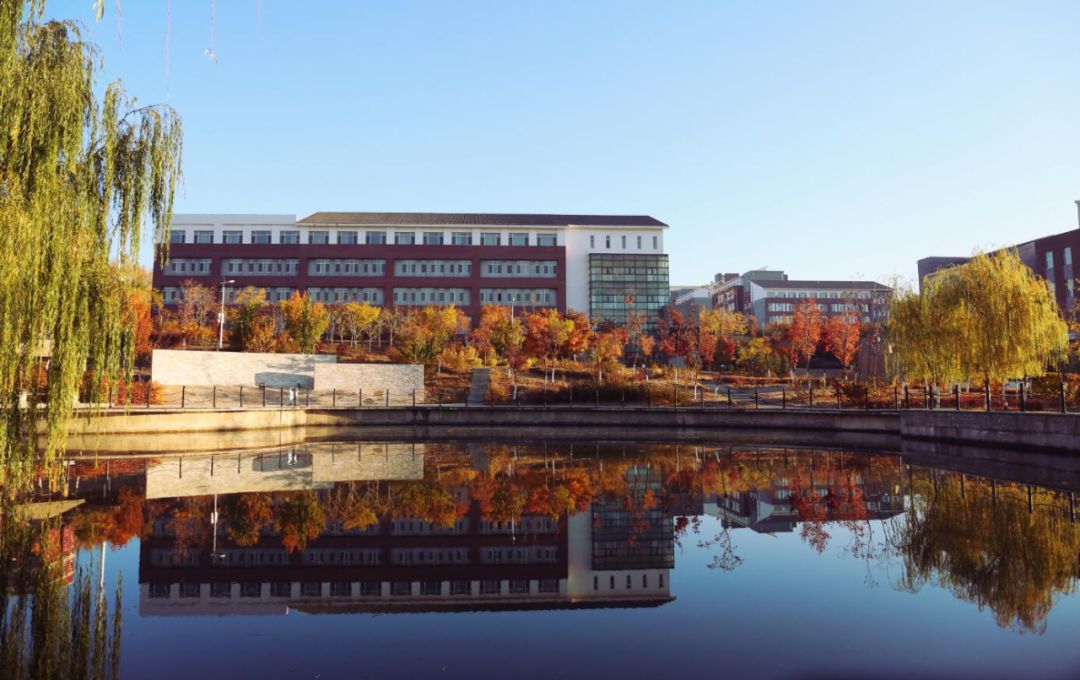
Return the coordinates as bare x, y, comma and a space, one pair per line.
478, 386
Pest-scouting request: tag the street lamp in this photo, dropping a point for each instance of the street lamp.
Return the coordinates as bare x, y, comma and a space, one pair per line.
221, 314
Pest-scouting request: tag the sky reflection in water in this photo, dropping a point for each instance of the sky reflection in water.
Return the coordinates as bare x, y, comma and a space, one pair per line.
394, 559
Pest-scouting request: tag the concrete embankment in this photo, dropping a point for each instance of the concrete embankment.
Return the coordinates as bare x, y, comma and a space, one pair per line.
1054, 432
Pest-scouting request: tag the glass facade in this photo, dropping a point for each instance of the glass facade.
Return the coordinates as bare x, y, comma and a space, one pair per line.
621, 282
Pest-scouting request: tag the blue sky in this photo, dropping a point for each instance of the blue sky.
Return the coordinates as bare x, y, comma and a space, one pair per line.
828, 139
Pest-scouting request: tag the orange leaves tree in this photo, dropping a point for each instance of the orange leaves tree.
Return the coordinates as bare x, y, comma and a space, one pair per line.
300, 519
428, 331
546, 333
805, 330
842, 334
498, 335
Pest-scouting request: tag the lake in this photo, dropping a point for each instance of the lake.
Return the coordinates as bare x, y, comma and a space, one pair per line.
339, 557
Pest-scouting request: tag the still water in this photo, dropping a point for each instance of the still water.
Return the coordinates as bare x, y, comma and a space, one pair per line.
587, 559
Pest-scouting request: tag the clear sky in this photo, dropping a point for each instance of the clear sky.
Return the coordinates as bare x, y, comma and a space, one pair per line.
828, 139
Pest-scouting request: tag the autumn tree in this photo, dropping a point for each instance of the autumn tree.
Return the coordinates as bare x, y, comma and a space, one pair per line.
678, 337
805, 330
427, 332
356, 320
305, 321
391, 321
580, 336
607, 348
991, 317
841, 334
498, 334
546, 333
248, 305
246, 515
195, 311
300, 519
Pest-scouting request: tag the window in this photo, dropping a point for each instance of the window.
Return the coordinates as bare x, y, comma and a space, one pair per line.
592, 241
290, 236
189, 590
319, 238
376, 238
607, 241
370, 588
460, 588
644, 580
346, 238
204, 237
341, 589
519, 586
596, 583
661, 580
611, 583
489, 587
177, 236
280, 589
311, 589
430, 588
519, 239
220, 590
548, 585
1049, 259
401, 588
261, 237
232, 237
623, 237
433, 238
159, 590
639, 242
1066, 258
655, 242
461, 238
250, 589
628, 586
546, 239
489, 239
404, 238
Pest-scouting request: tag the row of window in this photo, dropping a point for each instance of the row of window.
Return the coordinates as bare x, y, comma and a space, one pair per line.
200, 266
624, 241
820, 295
284, 589
1066, 256
629, 582
834, 307
371, 238
522, 297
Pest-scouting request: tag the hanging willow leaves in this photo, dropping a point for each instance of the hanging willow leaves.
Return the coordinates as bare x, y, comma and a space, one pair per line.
991, 317
81, 176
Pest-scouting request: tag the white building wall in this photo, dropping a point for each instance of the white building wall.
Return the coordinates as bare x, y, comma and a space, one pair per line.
581, 241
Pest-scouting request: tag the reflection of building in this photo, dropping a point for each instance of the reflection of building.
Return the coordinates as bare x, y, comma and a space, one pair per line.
402, 565
289, 468
772, 509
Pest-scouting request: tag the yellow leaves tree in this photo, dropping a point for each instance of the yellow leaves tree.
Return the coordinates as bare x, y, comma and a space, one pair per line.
357, 320
305, 321
427, 332
992, 317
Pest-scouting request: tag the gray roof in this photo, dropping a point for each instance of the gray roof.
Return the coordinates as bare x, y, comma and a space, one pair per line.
479, 219
828, 285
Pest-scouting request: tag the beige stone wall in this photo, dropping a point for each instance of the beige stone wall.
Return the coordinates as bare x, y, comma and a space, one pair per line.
308, 371
374, 379
181, 367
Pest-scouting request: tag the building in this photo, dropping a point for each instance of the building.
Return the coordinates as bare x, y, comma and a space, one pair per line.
1051, 257
603, 265
771, 297
690, 301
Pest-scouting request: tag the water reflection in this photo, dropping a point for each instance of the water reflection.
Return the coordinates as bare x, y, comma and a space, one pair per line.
349, 527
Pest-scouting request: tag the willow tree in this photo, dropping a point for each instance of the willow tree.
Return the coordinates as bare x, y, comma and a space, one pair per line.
82, 174
990, 317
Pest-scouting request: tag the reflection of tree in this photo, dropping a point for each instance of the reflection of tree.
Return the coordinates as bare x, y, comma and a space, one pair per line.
997, 554
246, 515
46, 629
300, 519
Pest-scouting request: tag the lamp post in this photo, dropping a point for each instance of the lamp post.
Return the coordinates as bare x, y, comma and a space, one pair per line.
221, 314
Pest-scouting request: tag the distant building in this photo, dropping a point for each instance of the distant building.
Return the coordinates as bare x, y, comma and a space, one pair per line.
771, 297
691, 300
1051, 257
602, 265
